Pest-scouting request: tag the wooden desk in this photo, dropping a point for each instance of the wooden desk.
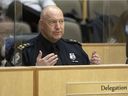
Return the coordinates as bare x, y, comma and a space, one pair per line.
16, 81
110, 53
84, 80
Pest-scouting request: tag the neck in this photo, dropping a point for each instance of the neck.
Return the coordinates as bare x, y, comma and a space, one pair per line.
52, 41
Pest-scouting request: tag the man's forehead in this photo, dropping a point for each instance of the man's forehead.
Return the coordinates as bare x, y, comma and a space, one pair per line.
52, 12
51, 9
56, 16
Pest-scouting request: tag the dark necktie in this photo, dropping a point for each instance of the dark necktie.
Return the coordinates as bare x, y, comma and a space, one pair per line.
56, 51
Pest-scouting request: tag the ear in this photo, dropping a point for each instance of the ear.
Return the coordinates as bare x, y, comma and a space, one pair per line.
40, 25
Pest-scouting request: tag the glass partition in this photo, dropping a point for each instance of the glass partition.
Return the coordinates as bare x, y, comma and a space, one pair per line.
103, 22
108, 18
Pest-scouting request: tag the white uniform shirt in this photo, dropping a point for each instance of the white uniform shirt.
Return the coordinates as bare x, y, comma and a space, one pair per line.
35, 4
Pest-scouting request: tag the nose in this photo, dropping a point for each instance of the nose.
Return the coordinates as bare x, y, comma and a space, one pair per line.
58, 25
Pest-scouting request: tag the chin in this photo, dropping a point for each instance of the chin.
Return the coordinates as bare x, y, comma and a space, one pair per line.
56, 39
58, 36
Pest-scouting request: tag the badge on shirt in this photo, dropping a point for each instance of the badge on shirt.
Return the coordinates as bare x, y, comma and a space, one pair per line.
72, 56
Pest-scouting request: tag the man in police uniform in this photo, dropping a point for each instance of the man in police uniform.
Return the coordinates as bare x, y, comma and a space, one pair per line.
48, 48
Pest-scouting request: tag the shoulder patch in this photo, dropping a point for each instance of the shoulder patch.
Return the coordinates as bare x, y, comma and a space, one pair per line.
72, 41
22, 46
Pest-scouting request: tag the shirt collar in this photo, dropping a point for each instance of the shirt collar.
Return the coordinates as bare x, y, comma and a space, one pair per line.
46, 43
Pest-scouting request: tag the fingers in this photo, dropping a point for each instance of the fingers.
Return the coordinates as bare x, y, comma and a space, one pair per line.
95, 59
94, 52
51, 59
50, 56
54, 60
39, 55
48, 60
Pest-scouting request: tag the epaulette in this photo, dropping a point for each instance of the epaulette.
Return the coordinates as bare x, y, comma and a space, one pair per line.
22, 46
72, 41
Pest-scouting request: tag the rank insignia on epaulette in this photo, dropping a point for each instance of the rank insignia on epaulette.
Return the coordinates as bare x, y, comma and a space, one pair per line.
22, 46
72, 40
75, 41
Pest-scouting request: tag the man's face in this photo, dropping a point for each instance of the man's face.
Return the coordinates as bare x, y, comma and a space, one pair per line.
53, 25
